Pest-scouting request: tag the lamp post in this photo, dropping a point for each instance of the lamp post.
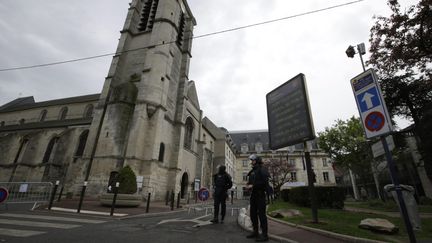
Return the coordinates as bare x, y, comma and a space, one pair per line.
361, 50
350, 52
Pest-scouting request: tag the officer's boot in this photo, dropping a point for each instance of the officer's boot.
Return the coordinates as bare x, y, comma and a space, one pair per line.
215, 220
254, 234
261, 238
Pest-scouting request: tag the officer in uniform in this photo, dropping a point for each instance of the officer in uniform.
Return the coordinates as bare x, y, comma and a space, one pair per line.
222, 182
258, 183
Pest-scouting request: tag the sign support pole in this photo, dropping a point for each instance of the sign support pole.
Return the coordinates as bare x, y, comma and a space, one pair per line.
311, 188
398, 189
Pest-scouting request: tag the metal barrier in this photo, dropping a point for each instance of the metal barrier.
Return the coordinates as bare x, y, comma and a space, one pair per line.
28, 192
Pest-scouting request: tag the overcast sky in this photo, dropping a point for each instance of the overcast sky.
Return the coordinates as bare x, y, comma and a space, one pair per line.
233, 71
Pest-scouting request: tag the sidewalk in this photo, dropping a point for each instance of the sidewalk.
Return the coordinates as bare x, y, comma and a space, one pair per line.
286, 232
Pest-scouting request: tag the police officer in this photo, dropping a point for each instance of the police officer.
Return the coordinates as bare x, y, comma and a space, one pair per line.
258, 183
222, 182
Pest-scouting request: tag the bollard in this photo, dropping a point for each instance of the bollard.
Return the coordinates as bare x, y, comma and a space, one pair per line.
82, 196
53, 194
232, 197
196, 197
167, 198
114, 198
178, 200
148, 202
172, 200
60, 194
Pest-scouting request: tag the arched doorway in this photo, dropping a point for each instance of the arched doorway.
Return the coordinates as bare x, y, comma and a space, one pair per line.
184, 185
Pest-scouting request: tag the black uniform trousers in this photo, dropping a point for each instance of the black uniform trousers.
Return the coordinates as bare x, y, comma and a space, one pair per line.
258, 211
220, 200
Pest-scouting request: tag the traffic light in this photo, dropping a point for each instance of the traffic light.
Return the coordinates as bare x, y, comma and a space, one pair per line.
350, 51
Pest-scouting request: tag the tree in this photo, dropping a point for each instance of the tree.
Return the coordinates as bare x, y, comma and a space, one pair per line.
346, 144
401, 53
279, 170
127, 179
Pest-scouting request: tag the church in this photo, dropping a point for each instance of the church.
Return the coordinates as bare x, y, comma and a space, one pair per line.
147, 116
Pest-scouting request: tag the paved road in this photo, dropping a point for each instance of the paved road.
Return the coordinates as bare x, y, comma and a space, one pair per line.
45, 227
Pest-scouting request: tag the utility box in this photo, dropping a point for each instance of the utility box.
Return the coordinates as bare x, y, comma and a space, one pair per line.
410, 202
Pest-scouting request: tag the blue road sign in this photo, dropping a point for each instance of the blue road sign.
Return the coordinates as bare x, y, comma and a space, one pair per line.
368, 99
4, 193
203, 194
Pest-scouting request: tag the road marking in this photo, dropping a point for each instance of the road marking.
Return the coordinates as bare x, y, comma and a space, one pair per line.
37, 224
87, 212
195, 220
19, 233
89, 221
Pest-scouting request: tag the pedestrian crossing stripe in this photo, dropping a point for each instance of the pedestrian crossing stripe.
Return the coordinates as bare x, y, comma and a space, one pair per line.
28, 216
38, 224
19, 233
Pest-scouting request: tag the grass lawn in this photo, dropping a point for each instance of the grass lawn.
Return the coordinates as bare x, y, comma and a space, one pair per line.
344, 222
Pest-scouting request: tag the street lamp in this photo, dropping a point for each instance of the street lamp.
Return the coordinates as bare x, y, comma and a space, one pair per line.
361, 50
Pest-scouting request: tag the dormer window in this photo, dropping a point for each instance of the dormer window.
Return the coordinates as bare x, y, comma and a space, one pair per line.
63, 113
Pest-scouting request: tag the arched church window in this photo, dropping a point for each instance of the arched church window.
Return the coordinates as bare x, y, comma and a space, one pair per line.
161, 152
88, 112
63, 113
49, 150
189, 126
82, 143
43, 115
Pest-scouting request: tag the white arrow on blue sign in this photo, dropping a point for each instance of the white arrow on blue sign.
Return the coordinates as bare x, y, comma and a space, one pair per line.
369, 99
370, 103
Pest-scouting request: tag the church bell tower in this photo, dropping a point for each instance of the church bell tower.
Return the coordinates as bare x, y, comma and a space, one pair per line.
141, 110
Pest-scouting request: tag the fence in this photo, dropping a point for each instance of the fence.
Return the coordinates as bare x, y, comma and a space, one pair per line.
28, 192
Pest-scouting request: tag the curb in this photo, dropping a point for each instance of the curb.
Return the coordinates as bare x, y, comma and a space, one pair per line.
241, 221
328, 233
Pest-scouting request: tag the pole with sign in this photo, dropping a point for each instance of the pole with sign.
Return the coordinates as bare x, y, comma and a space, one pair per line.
376, 122
290, 122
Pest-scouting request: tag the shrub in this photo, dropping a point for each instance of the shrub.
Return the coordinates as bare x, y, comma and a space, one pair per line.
425, 201
127, 179
285, 195
327, 197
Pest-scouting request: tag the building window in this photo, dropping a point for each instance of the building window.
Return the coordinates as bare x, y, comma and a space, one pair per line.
204, 138
88, 111
43, 115
244, 148
22, 121
82, 143
245, 163
49, 150
258, 147
148, 15
161, 152
63, 113
189, 133
2, 124
326, 177
245, 176
324, 161
291, 162
293, 176
181, 30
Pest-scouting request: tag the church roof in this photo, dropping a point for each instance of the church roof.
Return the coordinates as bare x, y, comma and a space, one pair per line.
29, 102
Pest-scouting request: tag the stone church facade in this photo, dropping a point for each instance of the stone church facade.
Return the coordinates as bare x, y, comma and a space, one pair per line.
147, 116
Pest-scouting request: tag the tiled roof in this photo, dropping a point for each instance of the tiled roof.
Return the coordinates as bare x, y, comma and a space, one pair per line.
28, 102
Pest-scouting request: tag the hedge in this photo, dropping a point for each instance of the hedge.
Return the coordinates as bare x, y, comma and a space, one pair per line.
327, 197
